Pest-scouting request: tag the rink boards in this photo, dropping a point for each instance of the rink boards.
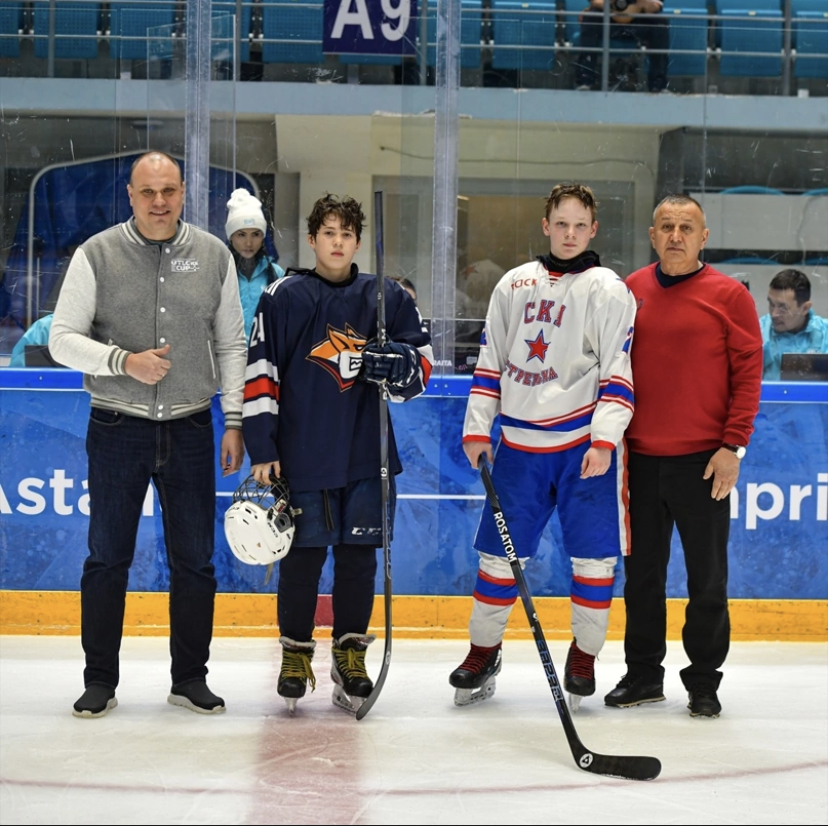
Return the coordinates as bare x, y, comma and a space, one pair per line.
779, 528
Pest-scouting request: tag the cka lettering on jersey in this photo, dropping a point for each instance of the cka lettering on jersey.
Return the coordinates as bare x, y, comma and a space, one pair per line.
340, 354
528, 377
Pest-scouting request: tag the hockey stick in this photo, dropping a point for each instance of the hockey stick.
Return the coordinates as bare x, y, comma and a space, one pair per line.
628, 767
382, 337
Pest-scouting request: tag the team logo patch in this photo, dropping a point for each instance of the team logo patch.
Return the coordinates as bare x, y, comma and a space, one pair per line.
537, 348
340, 354
184, 264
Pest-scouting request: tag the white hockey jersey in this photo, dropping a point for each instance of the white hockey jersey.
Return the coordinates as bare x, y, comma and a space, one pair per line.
554, 360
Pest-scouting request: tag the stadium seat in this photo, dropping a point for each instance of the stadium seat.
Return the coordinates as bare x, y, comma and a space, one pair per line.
11, 24
471, 33
527, 25
223, 29
754, 31
302, 21
810, 38
129, 27
687, 34
76, 28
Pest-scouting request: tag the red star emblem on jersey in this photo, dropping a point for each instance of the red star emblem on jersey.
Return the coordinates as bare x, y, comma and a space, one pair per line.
537, 348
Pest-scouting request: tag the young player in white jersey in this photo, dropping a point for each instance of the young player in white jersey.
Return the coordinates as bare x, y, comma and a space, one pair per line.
555, 365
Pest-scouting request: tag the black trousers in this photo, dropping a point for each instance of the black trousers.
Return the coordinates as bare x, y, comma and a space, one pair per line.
667, 491
652, 31
352, 596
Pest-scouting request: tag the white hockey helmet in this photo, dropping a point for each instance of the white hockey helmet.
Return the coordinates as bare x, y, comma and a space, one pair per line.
259, 524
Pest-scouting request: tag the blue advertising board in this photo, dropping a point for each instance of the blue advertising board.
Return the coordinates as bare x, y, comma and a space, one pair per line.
779, 512
370, 27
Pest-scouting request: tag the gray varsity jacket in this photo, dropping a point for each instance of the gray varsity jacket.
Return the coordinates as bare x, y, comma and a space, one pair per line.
125, 295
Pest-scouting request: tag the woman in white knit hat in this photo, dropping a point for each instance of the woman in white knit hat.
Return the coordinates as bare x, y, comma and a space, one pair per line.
246, 228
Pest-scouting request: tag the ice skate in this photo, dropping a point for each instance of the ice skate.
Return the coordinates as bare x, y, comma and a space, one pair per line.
579, 676
474, 679
351, 681
296, 671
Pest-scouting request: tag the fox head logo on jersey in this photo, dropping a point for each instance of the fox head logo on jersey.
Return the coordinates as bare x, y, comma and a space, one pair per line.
340, 354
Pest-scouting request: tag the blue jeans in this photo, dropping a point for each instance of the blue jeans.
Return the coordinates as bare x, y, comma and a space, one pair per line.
125, 453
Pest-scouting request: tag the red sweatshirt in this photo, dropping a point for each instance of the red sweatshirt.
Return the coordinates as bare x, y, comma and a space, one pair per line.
696, 363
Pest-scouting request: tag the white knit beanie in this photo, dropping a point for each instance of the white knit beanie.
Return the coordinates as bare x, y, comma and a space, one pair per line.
244, 211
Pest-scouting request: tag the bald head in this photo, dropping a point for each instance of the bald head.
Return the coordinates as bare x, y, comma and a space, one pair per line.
156, 193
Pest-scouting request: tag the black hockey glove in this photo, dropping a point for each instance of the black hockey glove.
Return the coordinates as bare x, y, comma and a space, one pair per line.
395, 363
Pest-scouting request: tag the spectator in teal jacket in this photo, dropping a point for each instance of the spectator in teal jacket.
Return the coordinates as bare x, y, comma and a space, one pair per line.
791, 325
37, 334
246, 227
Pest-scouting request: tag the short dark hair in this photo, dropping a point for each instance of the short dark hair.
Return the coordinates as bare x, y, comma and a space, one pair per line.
155, 152
793, 280
348, 210
679, 199
580, 192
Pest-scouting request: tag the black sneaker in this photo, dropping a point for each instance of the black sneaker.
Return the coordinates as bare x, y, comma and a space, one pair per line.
95, 701
634, 691
195, 696
703, 701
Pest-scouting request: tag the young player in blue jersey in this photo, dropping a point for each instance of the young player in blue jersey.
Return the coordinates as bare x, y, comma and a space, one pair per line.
555, 365
311, 415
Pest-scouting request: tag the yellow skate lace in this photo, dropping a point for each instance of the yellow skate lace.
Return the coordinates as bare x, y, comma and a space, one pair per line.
350, 662
297, 664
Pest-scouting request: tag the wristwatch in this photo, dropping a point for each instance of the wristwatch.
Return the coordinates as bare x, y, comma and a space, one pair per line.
737, 449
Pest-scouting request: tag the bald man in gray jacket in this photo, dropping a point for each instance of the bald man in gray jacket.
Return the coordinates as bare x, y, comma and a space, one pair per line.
150, 313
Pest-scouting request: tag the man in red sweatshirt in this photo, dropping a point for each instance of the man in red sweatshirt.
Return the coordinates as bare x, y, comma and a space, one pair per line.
697, 365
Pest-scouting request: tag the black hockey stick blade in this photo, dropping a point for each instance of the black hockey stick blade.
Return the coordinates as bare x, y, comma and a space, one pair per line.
628, 767
384, 465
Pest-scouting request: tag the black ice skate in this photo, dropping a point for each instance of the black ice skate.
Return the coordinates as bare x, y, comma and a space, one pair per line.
474, 679
579, 675
296, 671
351, 681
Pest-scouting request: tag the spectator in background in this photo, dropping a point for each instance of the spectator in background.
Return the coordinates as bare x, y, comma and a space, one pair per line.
406, 285
626, 22
790, 326
246, 228
36, 336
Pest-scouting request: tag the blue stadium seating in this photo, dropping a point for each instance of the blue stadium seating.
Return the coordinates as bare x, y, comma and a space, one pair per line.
687, 34
11, 22
129, 28
810, 37
822, 192
808, 5
527, 24
291, 23
571, 22
70, 19
471, 33
761, 33
223, 29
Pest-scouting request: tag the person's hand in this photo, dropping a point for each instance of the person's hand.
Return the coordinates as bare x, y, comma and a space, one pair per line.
261, 473
724, 468
596, 462
232, 452
394, 363
474, 450
148, 367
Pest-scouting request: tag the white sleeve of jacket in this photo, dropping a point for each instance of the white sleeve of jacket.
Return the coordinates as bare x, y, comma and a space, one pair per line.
69, 341
610, 334
484, 395
231, 348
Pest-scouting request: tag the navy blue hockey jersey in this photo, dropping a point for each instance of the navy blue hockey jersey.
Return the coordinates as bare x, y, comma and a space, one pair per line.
304, 405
